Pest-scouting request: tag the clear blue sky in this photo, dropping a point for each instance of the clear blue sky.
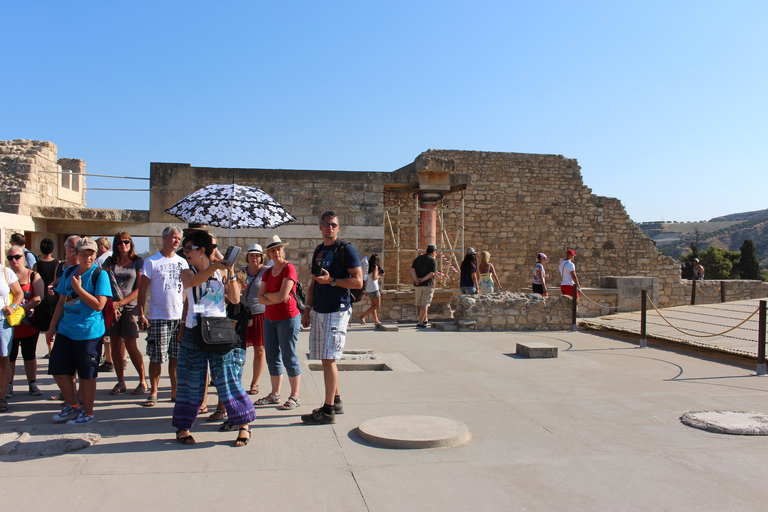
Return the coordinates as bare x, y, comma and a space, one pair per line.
663, 103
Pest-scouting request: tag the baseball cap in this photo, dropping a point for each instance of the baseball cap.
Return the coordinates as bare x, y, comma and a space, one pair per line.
570, 252
87, 243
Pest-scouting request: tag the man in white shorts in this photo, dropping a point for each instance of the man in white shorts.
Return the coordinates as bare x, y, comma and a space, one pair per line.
161, 277
335, 270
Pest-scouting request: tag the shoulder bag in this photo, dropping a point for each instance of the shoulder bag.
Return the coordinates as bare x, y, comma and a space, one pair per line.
214, 334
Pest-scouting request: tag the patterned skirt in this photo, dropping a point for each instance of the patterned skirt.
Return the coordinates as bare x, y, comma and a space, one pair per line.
192, 386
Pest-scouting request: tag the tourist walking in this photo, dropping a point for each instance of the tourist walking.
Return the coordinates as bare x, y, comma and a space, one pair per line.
254, 336
468, 282
570, 284
161, 277
8, 285
423, 271
282, 324
205, 293
25, 334
539, 276
127, 267
78, 325
487, 274
372, 289
335, 270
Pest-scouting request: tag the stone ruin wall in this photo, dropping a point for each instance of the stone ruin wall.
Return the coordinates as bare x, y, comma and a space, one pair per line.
518, 205
22, 187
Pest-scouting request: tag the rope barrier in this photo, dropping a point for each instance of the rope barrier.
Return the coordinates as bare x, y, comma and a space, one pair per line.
700, 289
581, 291
701, 335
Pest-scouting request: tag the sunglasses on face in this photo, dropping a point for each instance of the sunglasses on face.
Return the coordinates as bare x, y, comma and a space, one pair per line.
14, 256
124, 242
190, 248
330, 224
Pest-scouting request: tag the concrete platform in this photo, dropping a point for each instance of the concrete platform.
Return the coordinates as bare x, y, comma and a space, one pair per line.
414, 432
602, 433
535, 350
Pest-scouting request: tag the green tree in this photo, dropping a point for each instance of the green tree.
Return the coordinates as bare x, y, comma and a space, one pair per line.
750, 268
718, 263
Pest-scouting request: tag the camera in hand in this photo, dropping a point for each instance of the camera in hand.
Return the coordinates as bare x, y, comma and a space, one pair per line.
231, 255
316, 270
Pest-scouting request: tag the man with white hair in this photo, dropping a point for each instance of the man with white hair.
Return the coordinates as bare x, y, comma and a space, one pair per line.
161, 277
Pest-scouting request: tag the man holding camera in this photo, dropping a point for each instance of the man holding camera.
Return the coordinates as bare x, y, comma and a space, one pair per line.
335, 270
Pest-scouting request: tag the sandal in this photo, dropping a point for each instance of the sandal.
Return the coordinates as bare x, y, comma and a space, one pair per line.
140, 389
188, 439
362, 319
291, 403
242, 441
218, 415
151, 401
4, 406
254, 389
203, 410
118, 389
227, 427
270, 399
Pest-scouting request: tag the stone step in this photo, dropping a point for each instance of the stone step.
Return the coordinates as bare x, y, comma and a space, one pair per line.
535, 350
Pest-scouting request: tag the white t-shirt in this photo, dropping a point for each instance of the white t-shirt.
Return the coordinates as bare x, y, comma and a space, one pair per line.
371, 284
166, 301
101, 259
5, 288
566, 267
211, 295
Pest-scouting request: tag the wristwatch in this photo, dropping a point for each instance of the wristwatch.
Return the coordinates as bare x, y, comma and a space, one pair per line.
333, 282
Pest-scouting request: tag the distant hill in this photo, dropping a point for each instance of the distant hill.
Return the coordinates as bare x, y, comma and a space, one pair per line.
727, 232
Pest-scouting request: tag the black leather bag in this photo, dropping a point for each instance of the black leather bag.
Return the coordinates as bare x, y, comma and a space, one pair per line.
214, 334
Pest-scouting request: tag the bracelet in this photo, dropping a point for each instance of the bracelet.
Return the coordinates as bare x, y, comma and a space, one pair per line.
15, 306
183, 323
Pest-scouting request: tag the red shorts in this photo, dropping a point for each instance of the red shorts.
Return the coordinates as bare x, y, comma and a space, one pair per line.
567, 289
254, 336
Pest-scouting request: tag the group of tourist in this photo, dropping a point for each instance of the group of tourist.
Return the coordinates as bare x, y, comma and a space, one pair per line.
184, 292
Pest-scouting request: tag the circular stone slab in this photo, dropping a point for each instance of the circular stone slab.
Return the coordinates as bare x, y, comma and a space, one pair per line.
745, 423
414, 432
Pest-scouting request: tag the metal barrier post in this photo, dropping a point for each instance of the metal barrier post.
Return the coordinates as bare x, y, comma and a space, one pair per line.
761, 339
573, 307
643, 341
693, 292
722, 291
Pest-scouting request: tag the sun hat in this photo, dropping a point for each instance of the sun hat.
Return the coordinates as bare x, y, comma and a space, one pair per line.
275, 242
255, 249
87, 243
471, 250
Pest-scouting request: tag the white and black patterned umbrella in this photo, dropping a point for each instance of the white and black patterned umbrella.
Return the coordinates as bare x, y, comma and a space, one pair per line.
231, 206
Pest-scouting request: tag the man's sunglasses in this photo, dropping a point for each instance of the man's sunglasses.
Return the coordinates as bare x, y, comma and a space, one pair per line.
330, 224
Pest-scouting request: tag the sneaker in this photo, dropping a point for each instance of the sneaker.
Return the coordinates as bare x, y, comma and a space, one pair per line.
66, 412
318, 417
34, 390
9, 391
81, 418
421, 326
106, 367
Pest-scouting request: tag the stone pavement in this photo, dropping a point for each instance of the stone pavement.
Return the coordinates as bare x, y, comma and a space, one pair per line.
702, 326
596, 428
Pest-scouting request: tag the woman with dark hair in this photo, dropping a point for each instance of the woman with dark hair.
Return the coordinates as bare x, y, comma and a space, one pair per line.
372, 289
46, 267
205, 294
127, 268
25, 334
468, 282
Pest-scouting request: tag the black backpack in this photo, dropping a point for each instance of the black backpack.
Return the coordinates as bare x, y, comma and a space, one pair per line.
356, 294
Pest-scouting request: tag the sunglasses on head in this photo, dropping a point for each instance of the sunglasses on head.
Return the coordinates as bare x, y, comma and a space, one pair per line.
331, 224
124, 242
14, 256
190, 248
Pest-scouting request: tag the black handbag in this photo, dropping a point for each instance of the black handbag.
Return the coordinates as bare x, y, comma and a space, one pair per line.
214, 334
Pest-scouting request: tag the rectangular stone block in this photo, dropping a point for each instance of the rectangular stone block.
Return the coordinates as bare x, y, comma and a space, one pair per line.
535, 350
